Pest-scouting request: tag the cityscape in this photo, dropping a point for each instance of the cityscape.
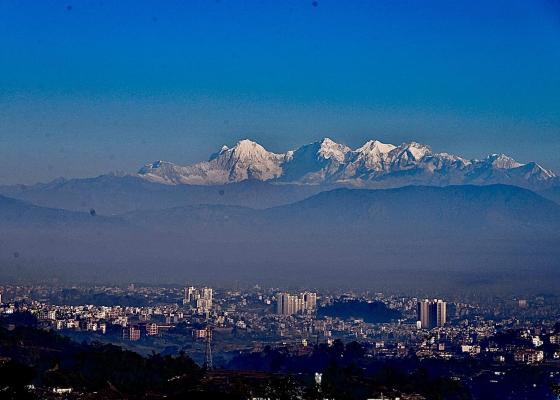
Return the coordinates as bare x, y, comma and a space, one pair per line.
280, 200
222, 329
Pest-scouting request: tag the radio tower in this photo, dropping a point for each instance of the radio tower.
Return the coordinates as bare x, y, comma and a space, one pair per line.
208, 350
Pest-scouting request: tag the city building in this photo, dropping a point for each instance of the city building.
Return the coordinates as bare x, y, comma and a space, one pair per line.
199, 333
431, 313
189, 295
529, 356
131, 333
310, 301
288, 304
201, 299
152, 329
441, 313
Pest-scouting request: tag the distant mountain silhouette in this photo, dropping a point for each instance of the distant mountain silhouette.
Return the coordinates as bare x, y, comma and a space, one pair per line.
552, 194
17, 213
408, 235
111, 194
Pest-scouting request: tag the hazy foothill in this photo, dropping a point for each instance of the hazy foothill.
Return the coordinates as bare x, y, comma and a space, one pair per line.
381, 214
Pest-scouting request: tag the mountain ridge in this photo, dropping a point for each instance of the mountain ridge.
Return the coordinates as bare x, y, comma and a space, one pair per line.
367, 235
374, 164
111, 194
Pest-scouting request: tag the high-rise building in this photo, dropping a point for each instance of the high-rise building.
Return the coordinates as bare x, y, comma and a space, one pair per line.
310, 301
432, 313
200, 298
208, 349
189, 295
441, 312
424, 313
282, 303
207, 294
288, 304
294, 305
204, 303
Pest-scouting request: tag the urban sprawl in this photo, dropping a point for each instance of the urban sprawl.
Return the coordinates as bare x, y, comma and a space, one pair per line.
211, 325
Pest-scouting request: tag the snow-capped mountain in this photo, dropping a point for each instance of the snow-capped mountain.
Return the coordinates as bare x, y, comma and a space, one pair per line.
246, 160
375, 164
315, 162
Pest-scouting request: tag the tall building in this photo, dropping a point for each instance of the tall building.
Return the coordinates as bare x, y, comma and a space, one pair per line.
204, 303
207, 294
310, 301
441, 312
201, 298
432, 313
208, 349
288, 304
423, 311
282, 303
189, 295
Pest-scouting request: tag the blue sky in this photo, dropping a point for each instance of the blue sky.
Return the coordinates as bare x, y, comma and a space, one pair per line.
88, 87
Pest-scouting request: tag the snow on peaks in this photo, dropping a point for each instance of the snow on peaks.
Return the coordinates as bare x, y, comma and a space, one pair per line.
325, 161
219, 153
502, 161
248, 160
247, 149
535, 171
247, 145
329, 149
416, 150
373, 155
151, 166
375, 147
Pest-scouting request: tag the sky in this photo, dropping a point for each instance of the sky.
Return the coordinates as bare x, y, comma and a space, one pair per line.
89, 87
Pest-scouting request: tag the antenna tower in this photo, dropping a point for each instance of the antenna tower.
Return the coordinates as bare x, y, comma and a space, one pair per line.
208, 350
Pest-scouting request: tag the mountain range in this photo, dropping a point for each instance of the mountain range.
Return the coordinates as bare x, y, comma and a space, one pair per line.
248, 175
381, 215
372, 165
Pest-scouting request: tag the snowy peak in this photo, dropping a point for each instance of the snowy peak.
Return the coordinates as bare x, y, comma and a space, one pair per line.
249, 160
219, 153
374, 164
247, 150
371, 156
375, 147
502, 161
534, 171
328, 149
158, 167
148, 167
413, 151
314, 163
246, 160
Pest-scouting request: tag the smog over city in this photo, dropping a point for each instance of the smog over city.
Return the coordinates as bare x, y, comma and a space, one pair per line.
280, 200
